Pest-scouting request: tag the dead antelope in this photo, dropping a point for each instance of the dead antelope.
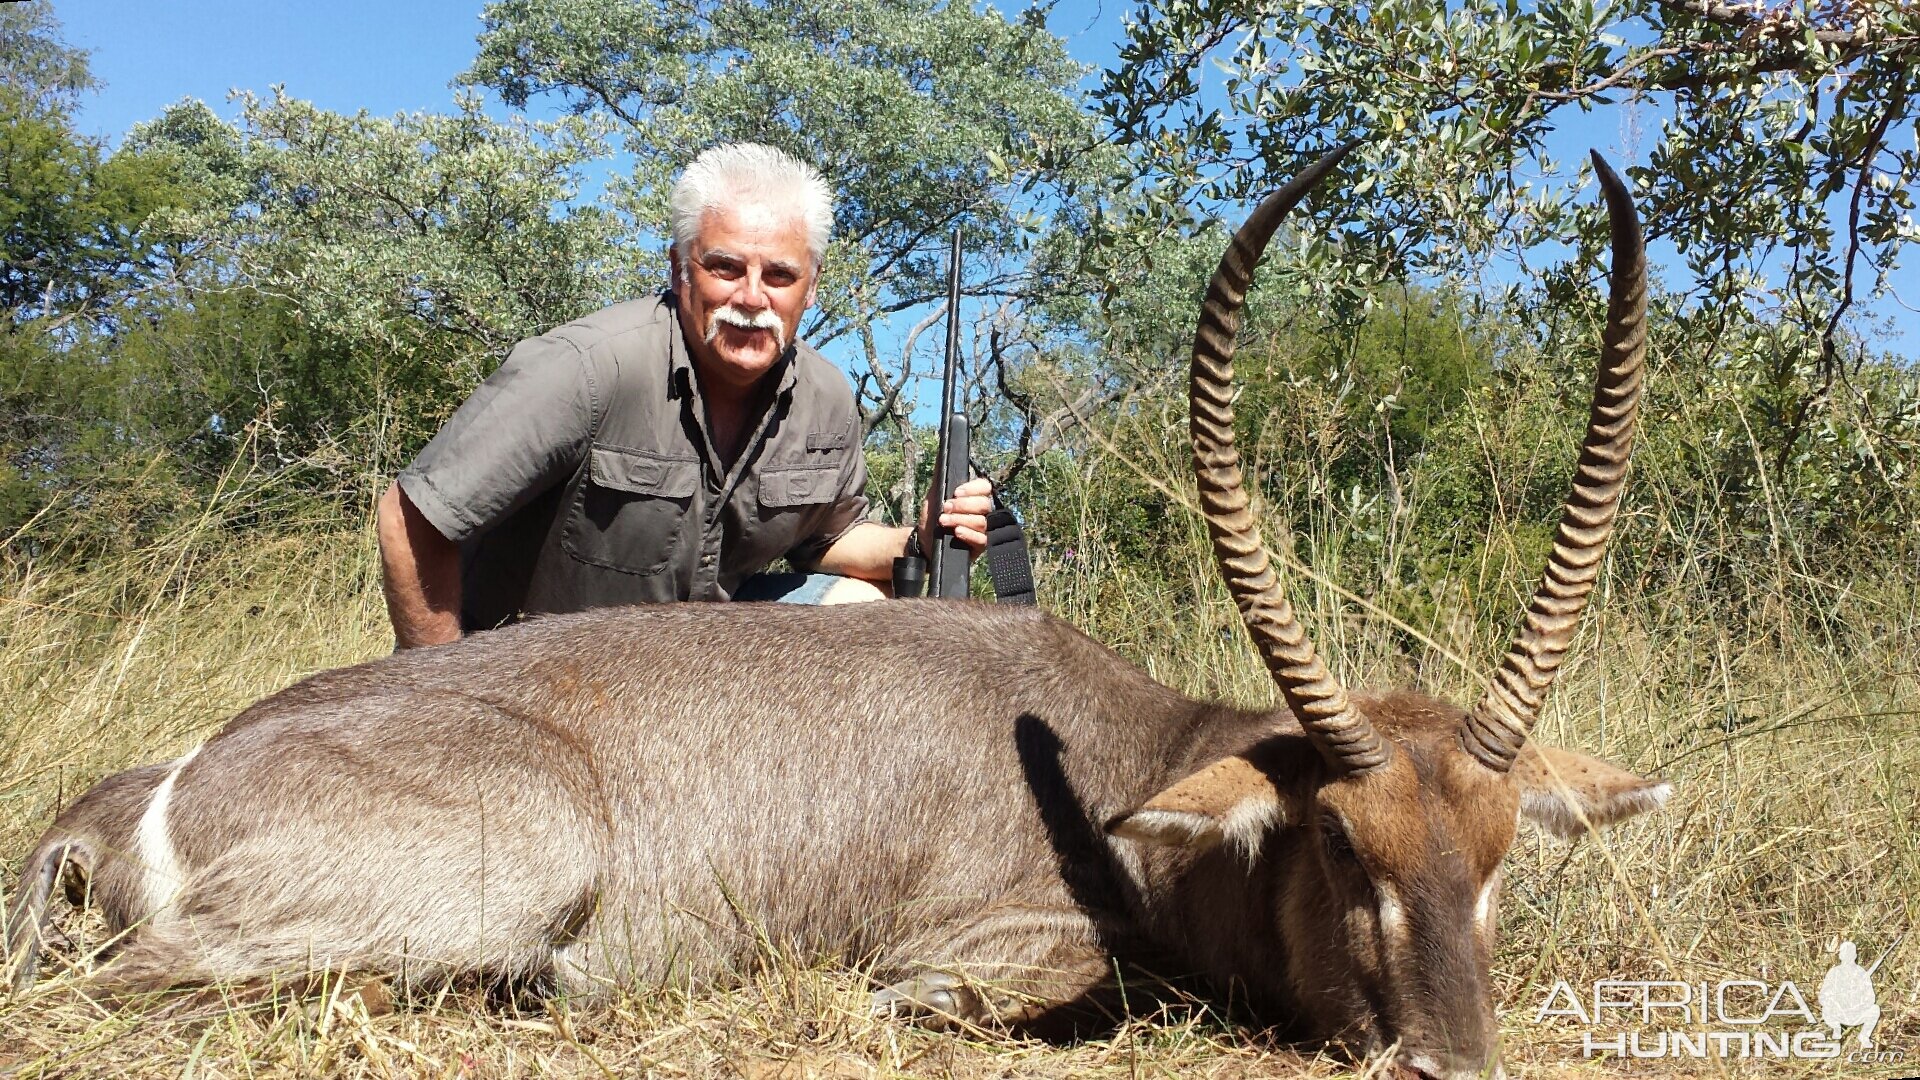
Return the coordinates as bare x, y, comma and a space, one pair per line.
979, 804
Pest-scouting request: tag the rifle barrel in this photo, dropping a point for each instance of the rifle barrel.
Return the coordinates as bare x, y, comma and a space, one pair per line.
948, 573
953, 339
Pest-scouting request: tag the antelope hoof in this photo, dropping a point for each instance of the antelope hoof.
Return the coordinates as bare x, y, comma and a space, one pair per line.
935, 995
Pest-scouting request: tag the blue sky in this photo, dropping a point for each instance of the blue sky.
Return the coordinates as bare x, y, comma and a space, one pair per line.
342, 54
345, 55
402, 55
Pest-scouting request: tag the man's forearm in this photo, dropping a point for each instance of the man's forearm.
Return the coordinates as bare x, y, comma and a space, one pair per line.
420, 572
866, 551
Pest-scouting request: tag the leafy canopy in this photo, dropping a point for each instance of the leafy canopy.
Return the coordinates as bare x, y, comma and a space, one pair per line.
1780, 159
413, 251
36, 65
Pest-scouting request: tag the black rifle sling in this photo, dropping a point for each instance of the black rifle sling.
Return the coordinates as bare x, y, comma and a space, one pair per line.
1007, 561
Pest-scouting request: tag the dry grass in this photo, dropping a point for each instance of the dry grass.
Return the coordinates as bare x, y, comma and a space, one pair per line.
790, 1024
1792, 749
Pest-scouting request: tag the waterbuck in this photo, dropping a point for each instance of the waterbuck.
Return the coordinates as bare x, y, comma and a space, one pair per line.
980, 805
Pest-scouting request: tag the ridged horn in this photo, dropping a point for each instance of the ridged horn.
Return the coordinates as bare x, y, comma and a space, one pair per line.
1344, 736
1497, 728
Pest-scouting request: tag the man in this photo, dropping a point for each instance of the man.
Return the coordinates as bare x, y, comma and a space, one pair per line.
662, 449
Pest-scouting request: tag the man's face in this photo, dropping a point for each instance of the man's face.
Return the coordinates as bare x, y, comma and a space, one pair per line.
750, 278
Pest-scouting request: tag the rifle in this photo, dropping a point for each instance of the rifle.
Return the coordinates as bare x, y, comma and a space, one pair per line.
1007, 562
950, 470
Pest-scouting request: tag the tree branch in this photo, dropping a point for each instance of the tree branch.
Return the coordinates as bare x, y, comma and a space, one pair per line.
1777, 24
1776, 40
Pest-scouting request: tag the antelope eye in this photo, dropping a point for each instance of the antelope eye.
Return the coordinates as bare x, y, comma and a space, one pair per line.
1339, 848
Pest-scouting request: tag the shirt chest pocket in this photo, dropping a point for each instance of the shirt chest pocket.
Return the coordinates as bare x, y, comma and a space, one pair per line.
792, 499
797, 487
630, 509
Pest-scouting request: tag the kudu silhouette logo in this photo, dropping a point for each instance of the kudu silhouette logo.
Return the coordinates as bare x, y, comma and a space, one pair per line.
1846, 996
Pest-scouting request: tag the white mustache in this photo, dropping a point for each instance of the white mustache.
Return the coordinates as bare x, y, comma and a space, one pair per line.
764, 319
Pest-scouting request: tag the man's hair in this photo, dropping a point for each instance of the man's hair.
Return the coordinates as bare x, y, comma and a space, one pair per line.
733, 174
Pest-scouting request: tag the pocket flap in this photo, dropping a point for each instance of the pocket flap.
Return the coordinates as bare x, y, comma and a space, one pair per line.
796, 487
643, 473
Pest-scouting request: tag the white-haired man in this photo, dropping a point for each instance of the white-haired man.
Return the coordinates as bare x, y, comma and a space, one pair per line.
663, 449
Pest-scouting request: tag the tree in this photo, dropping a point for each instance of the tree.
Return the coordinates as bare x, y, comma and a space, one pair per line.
1773, 130
36, 66
79, 247
75, 222
409, 254
72, 217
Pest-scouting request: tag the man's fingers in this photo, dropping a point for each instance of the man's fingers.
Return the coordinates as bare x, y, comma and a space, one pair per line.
966, 513
973, 497
979, 485
970, 529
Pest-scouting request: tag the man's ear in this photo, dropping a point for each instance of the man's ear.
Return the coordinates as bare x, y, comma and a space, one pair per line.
1565, 792
1235, 800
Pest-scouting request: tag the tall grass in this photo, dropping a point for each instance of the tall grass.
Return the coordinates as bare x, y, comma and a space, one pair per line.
1786, 717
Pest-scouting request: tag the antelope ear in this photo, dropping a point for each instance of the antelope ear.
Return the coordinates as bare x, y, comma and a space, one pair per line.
1565, 792
1234, 800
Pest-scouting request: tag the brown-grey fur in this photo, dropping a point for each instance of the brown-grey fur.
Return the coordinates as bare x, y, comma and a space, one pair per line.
662, 789
87, 848
656, 793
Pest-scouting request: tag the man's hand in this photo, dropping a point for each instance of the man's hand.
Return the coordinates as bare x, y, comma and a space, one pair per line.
966, 514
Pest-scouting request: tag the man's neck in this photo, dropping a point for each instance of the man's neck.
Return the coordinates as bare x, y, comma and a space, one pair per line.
727, 425
733, 415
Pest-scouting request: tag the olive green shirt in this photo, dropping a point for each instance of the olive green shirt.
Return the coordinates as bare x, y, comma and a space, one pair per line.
581, 473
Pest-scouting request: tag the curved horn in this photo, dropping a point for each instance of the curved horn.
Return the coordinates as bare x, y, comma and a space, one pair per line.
1497, 727
1344, 736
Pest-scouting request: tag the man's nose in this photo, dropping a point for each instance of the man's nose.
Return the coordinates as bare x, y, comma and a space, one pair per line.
752, 293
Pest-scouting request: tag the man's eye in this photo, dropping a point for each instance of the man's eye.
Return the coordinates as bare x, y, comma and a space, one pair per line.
781, 279
724, 269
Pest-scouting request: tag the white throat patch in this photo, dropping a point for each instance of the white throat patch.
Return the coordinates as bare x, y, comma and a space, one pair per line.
1483, 907
1393, 916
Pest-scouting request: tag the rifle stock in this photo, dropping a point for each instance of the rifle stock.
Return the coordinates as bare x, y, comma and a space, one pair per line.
950, 555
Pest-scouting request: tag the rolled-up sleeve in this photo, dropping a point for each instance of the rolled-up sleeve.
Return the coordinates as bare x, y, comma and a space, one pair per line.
848, 508
525, 428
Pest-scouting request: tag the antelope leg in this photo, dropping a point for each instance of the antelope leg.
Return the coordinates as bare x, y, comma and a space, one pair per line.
941, 995
1010, 966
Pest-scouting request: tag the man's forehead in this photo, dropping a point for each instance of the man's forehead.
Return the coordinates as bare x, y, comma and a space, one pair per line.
760, 211
758, 220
